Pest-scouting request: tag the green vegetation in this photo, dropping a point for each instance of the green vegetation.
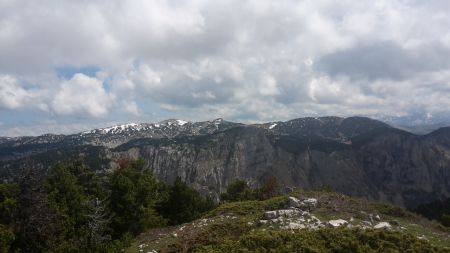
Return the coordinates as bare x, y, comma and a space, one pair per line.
237, 227
134, 194
74, 209
437, 210
323, 240
239, 190
184, 204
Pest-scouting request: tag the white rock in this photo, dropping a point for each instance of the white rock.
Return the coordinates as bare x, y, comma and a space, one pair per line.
314, 218
367, 223
288, 212
270, 215
311, 201
276, 220
294, 225
337, 223
383, 225
294, 202
377, 217
308, 204
422, 237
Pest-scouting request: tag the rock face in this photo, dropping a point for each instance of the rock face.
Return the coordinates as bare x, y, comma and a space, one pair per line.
350, 155
356, 156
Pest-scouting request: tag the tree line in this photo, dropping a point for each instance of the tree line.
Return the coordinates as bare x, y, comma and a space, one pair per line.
75, 209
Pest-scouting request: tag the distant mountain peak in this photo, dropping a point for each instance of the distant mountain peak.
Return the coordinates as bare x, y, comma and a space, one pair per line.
170, 122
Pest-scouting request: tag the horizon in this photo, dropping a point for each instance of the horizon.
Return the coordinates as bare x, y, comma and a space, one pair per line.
410, 128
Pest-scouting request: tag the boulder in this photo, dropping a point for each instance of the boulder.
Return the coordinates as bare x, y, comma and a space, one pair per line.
383, 225
367, 223
288, 212
270, 215
337, 223
308, 204
294, 202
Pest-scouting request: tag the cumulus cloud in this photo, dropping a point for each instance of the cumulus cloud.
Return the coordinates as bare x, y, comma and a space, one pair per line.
12, 95
82, 95
241, 60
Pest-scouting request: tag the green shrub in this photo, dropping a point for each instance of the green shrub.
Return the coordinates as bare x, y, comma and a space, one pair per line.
390, 210
323, 240
7, 237
183, 203
239, 191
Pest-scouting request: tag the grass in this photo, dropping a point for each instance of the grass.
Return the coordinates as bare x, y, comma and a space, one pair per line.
235, 227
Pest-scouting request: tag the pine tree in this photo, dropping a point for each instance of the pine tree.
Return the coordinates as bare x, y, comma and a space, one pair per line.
134, 195
239, 191
184, 203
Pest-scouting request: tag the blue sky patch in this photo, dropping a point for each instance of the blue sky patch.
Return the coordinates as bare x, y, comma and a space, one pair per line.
67, 72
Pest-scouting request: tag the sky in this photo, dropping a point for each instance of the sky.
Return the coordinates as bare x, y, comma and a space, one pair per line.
68, 66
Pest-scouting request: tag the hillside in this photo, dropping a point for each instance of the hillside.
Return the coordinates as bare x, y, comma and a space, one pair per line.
300, 222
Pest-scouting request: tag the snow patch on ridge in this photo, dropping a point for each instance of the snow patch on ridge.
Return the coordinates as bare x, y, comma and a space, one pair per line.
181, 122
115, 129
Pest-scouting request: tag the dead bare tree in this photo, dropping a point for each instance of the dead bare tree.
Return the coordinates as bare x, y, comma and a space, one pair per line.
98, 224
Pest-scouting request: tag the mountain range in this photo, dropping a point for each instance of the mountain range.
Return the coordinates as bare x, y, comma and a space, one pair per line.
357, 156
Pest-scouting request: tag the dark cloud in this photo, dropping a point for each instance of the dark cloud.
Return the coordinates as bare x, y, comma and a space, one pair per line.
385, 60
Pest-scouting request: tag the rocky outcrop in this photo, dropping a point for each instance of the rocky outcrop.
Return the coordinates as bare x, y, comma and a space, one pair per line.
296, 217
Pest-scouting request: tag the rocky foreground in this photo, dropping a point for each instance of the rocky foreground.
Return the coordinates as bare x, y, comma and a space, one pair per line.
301, 222
299, 216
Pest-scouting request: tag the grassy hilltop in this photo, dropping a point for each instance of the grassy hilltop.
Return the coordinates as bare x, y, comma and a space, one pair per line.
337, 223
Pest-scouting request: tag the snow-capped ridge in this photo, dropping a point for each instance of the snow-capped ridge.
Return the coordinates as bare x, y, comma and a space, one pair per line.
134, 127
170, 122
116, 129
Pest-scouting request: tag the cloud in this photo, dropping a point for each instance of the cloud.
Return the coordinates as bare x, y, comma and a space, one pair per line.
12, 95
385, 60
132, 107
241, 60
82, 95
